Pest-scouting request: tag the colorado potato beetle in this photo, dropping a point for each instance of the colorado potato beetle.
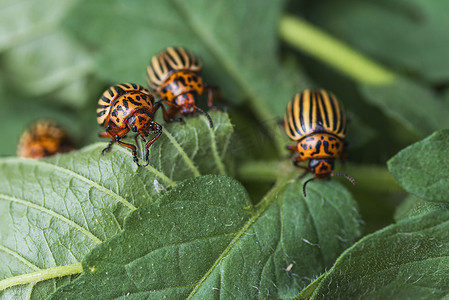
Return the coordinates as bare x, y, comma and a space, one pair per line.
317, 122
43, 138
124, 107
174, 76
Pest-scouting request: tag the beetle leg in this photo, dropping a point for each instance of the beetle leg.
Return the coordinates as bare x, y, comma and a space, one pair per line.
211, 124
304, 185
136, 141
133, 149
164, 111
106, 134
210, 97
296, 162
292, 148
148, 144
108, 147
170, 115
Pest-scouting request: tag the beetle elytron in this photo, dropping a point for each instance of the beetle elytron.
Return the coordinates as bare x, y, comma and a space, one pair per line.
316, 121
174, 76
128, 107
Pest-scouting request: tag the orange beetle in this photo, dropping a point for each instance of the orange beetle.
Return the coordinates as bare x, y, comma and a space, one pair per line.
43, 138
124, 107
173, 75
317, 122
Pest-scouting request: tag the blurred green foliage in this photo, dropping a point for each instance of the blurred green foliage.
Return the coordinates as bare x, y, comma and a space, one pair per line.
57, 58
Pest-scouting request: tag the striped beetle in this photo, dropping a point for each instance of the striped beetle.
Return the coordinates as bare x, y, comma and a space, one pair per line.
174, 76
317, 122
124, 107
43, 138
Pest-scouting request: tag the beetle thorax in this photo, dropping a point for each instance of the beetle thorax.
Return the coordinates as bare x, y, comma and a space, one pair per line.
186, 103
140, 120
320, 145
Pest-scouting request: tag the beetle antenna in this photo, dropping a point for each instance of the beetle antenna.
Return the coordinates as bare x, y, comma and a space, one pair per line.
304, 186
207, 115
352, 180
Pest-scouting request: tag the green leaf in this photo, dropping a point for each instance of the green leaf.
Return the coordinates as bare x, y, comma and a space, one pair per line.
39, 69
34, 19
203, 239
54, 211
237, 40
409, 103
407, 260
413, 206
308, 291
422, 168
40, 58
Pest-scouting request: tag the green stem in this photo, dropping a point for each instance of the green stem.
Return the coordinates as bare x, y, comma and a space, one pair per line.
322, 46
259, 170
41, 275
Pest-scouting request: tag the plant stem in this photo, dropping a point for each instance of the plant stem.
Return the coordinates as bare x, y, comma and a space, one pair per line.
41, 275
322, 46
259, 170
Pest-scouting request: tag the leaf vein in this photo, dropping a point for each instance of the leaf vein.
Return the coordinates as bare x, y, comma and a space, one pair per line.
210, 41
404, 264
183, 154
213, 142
76, 175
314, 226
264, 204
180, 244
53, 214
19, 257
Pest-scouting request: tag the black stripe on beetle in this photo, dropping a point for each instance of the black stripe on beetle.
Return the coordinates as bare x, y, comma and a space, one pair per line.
105, 99
102, 112
131, 99
125, 104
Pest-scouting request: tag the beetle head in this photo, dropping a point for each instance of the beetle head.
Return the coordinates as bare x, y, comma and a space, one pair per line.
141, 121
186, 103
321, 167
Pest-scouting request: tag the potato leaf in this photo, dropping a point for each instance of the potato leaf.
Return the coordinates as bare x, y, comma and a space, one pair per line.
54, 211
407, 260
204, 239
422, 168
